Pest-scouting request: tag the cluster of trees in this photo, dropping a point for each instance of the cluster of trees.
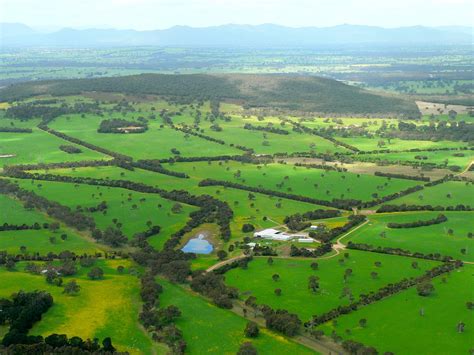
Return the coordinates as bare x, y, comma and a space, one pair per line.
264, 250
20, 227
245, 158
28, 111
160, 321
314, 253
356, 348
139, 239
70, 149
402, 176
102, 206
281, 321
112, 236
397, 251
15, 130
155, 166
212, 285
268, 128
384, 292
242, 263
340, 204
62, 165
63, 213
328, 235
443, 130
40, 109
405, 208
441, 218
380, 200
20, 313
322, 167
299, 221
119, 125
61, 344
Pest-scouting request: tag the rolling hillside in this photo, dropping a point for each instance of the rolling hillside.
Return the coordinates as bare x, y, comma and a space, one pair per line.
284, 92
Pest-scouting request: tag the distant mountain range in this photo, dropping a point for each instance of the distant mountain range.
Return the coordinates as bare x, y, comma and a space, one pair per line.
268, 35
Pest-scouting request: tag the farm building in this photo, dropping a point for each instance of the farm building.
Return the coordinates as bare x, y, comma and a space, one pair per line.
305, 240
273, 234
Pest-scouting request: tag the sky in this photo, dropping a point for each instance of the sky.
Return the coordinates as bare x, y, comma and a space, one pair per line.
160, 14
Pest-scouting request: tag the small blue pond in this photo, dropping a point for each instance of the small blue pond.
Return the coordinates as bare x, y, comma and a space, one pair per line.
198, 245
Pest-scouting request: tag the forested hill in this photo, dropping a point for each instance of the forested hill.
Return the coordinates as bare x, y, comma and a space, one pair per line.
285, 92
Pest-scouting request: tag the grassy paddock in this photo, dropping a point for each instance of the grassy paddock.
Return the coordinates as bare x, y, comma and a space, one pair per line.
395, 324
294, 274
107, 307
208, 329
429, 239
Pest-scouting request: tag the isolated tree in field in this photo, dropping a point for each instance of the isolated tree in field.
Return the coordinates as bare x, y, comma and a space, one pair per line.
120, 269
347, 273
275, 277
278, 291
71, 288
247, 349
363, 322
23, 249
251, 330
54, 226
425, 288
314, 266
52, 239
460, 327
95, 273
313, 283
378, 264
177, 208
63, 236
374, 275
414, 265
470, 305
247, 227
222, 254
270, 261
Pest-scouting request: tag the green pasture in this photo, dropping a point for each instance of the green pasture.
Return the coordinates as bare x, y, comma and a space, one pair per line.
266, 142
368, 144
315, 183
294, 274
156, 143
446, 238
37, 241
38, 147
396, 323
107, 307
133, 214
451, 193
245, 210
208, 329
447, 158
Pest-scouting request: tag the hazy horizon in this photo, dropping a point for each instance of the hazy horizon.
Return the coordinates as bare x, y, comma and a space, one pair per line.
49, 15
